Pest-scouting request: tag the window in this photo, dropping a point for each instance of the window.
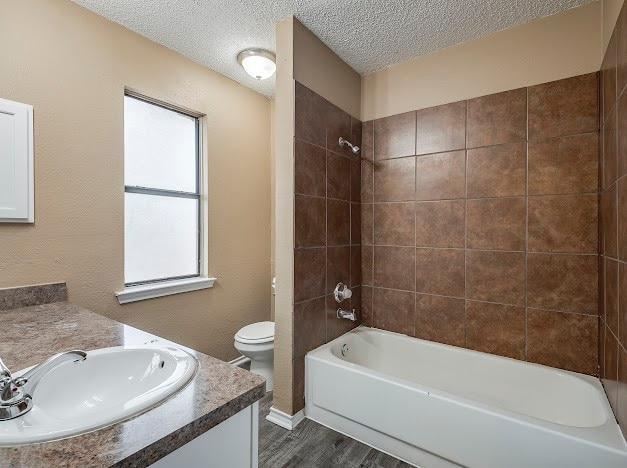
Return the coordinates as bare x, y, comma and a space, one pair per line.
162, 225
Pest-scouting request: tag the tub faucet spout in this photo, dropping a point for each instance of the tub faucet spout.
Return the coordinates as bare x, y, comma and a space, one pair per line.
347, 314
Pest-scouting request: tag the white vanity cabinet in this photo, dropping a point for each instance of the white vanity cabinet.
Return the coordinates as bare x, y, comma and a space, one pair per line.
16, 163
231, 444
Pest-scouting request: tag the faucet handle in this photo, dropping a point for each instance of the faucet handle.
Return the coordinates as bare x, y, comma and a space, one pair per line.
342, 292
20, 382
5, 373
7, 385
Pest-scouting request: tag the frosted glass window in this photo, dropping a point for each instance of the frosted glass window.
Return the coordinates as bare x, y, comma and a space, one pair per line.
162, 199
161, 236
159, 147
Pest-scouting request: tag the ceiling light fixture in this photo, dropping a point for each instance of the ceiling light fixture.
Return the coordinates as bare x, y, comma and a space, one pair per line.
258, 63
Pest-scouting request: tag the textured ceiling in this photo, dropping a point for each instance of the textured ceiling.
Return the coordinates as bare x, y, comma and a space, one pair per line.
367, 34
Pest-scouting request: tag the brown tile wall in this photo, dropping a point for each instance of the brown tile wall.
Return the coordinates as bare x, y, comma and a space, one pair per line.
479, 223
613, 223
327, 222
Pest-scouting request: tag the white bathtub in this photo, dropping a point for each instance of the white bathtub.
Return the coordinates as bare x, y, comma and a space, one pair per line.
434, 405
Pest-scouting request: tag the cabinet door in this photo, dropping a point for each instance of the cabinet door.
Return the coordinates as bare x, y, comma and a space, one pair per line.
16, 162
233, 443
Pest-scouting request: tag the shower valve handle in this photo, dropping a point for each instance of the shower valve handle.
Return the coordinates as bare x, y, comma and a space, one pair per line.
342, 292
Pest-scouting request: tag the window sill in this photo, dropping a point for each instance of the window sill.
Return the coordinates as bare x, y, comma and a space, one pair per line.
150, 291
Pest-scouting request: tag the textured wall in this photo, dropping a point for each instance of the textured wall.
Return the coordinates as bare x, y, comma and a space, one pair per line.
322, 109
613, 225
315, 63
558, 46
327, 225
72, 66
284, 217
611, 10
479, 223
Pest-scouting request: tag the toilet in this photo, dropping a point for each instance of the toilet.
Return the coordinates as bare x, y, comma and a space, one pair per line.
256, 341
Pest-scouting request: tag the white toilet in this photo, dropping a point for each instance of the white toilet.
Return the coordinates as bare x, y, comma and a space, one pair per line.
256, 341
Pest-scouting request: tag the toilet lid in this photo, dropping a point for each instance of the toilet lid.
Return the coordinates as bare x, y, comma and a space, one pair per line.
260, 332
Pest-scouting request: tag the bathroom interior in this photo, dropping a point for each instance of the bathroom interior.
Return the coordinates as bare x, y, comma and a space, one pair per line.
313, 234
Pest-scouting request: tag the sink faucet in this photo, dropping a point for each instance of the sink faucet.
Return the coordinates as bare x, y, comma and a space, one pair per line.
16, 394
347, 314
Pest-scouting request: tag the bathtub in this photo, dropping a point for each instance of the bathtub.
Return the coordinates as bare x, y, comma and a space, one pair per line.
434, 405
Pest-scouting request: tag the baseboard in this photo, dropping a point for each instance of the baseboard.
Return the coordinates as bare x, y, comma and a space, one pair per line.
284, 420
240, 361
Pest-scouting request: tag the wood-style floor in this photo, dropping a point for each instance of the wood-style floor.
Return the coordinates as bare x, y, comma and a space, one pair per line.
312, 445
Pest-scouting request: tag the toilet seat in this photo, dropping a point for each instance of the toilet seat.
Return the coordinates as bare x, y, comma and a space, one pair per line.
256, 333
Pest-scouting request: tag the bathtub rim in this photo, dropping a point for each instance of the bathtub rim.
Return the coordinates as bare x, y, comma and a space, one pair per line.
607, 435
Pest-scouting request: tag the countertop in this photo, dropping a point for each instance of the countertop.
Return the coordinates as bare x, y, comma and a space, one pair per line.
29, 335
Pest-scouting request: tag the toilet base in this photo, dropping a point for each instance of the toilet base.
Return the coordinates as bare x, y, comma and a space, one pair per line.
261, 357
265, 369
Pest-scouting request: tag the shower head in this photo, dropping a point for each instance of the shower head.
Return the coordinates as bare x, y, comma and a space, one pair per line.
353, 148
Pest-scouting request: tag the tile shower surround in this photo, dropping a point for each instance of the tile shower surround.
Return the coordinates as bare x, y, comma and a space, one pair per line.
506, 188
613, 222
479, 223
327, 224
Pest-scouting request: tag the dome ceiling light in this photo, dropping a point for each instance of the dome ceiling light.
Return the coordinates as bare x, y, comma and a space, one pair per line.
258, 63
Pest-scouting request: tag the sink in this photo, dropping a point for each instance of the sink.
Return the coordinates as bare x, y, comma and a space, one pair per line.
109, 386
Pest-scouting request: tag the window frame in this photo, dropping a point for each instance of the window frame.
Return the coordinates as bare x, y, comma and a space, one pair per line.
152, 191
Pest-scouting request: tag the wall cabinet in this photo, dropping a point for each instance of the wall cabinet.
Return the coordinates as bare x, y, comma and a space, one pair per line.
17, 191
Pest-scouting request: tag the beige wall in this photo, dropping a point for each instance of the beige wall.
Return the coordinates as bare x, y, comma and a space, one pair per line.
72, 66
547, 49
321, 70
611, 9
284, 216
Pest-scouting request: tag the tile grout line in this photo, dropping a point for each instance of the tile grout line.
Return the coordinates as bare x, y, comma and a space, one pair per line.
415, 216
601, 263
466, 227
349, 280
470, 299
372, 267
527, 228
293, 343
440, 200
466, 148
326, 231
429, 247
518, 306
618, 246
603, 190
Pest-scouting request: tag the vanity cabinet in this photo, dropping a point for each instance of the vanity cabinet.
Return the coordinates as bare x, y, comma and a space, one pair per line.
232, 443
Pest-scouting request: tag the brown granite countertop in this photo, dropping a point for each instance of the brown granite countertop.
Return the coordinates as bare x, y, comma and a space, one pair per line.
29, 335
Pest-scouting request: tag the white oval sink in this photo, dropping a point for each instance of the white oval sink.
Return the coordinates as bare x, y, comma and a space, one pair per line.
109, 386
